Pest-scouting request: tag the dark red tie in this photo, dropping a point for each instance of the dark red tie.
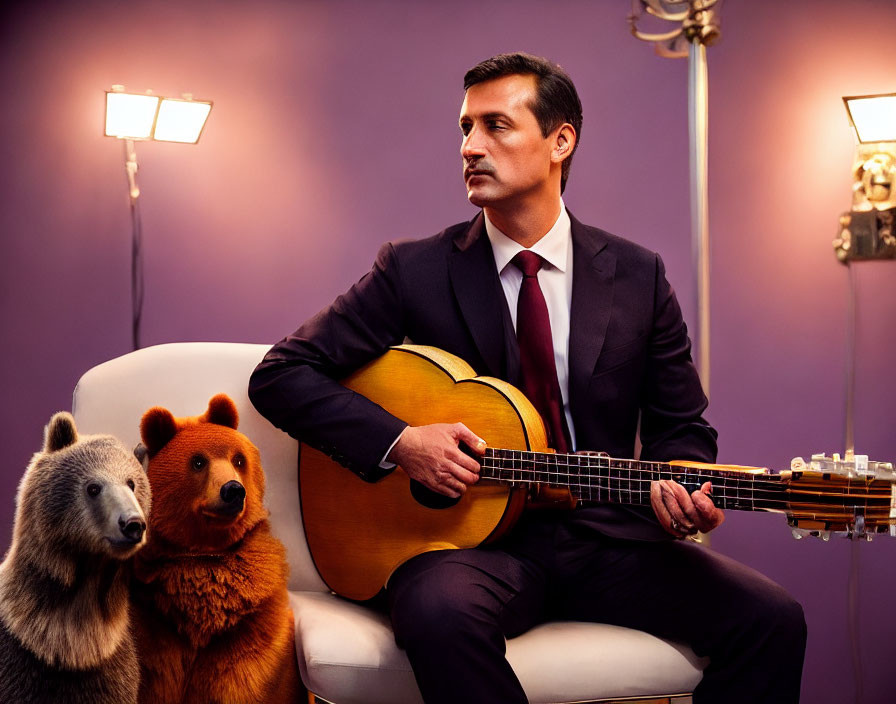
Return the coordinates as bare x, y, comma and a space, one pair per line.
538, 371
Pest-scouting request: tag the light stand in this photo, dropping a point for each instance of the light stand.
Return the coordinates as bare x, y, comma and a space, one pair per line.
141, 117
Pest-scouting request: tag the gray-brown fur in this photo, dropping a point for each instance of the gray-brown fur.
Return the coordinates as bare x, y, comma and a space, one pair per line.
81, 510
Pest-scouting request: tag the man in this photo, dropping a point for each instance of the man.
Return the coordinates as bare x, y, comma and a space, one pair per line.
620, 352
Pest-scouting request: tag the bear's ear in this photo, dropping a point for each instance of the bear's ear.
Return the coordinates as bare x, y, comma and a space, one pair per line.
156, 428
142, 455
221, 411
60, 432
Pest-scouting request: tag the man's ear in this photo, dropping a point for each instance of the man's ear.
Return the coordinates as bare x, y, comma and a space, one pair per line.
564, 142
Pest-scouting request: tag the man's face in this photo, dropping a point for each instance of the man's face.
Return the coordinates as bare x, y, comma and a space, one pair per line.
506, 159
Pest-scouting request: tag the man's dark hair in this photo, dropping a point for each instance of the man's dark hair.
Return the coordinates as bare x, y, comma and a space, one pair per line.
556, 99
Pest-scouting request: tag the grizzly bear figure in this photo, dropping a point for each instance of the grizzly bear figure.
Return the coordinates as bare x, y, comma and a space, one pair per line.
211, 611
81, 511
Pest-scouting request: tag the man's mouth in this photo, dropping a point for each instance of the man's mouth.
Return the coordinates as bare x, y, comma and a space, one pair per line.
470, 173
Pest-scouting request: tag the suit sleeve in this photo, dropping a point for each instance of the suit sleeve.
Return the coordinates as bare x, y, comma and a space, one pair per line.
296, 386
672, 423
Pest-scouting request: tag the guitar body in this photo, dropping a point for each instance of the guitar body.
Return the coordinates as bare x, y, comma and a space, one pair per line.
359, 533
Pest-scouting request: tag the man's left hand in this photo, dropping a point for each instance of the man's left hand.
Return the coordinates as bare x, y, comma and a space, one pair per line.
682, 514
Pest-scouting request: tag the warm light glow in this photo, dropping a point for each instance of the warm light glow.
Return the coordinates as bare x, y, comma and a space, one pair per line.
130, 115
873, 117
181, 120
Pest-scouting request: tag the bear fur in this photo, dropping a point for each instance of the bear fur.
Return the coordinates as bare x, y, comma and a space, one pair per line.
211, 611
81, 511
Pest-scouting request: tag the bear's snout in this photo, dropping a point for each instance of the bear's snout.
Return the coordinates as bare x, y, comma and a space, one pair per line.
233, 494
132, 528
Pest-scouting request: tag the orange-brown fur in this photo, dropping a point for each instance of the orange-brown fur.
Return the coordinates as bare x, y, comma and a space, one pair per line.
211, 614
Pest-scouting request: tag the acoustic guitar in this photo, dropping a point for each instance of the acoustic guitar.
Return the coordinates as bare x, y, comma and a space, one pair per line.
360, 532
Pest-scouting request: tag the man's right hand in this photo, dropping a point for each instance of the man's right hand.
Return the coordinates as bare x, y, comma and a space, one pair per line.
430, 454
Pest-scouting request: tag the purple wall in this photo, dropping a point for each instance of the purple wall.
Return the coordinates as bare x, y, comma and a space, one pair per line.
334, 128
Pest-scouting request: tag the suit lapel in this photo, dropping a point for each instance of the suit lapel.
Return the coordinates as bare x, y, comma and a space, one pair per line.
477, 288
594, 269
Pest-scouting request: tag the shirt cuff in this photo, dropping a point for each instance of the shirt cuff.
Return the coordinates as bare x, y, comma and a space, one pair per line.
386, 464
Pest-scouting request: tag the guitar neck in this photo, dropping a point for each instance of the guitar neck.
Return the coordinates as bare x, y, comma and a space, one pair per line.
593, 478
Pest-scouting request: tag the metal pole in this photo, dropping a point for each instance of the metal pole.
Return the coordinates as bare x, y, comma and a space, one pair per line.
697, 129
130, 161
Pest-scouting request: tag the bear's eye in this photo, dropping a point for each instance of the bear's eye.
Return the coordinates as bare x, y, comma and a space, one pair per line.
94, 489
131, 484
239, 460
198, 462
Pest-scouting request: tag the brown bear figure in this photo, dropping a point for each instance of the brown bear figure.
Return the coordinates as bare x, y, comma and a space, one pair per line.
64, 616
210, 607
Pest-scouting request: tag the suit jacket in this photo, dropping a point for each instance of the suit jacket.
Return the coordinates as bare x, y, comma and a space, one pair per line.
629, 353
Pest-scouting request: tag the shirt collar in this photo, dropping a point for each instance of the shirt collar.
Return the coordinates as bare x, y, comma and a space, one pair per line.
553, 247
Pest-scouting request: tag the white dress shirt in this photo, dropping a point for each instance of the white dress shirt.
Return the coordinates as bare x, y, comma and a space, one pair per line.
555, 280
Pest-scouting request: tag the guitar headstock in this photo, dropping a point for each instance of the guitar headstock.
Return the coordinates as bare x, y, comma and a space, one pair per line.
851, 466
851, 496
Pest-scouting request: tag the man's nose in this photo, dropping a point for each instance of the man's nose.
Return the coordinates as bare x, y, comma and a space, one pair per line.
472, 145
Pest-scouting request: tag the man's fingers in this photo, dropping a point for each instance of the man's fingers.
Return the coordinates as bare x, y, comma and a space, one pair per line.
464, 475
681, 513
710, 516
669, 524
704, 505
679, 504
469, 438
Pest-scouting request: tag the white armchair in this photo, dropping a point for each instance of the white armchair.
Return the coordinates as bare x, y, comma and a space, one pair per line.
346, 651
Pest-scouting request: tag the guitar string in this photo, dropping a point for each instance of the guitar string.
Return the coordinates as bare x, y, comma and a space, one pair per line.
767, 482
658, 470
729, 500
655, 469
612, 494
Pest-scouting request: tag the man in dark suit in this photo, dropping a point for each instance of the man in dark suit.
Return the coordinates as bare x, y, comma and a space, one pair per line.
617, 352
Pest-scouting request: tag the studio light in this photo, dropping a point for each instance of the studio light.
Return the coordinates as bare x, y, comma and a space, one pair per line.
143, 117
181, 120
130, 116
867, 230
873, 117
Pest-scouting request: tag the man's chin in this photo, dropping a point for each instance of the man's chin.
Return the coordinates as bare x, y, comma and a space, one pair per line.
479, 198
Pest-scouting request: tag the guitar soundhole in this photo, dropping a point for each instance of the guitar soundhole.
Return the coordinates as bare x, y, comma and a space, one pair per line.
429, 498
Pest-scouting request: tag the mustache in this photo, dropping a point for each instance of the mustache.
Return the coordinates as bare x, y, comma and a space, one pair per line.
478, 167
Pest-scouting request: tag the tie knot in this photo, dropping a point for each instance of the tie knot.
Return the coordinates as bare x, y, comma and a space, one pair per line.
527, 262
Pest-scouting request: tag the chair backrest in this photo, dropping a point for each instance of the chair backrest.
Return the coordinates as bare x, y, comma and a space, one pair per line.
113, 396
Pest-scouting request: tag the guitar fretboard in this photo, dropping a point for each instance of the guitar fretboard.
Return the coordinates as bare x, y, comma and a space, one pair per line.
599, 478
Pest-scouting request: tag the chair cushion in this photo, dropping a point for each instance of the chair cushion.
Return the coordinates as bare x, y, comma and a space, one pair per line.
347, 654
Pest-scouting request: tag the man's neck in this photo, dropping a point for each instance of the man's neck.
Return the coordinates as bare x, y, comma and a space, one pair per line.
526, 223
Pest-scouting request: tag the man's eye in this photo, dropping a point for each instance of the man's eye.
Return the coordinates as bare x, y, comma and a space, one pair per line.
465, 129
